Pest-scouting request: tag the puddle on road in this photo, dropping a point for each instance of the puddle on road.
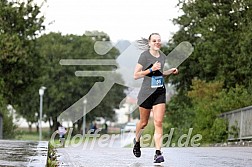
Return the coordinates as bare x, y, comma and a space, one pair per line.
20, 153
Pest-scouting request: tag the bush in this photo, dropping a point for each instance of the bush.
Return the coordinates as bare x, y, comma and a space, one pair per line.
51, 159
8, 126
219, 130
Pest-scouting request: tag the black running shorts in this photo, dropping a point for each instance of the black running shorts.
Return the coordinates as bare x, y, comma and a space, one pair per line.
158, 97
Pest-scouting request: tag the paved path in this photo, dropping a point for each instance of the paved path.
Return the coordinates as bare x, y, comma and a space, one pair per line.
23, 153
106, 155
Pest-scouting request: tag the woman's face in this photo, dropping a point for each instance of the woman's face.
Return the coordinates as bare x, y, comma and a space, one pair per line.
155, 42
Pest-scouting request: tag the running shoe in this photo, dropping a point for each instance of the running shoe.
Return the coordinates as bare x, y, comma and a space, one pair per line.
136, 149
158, 158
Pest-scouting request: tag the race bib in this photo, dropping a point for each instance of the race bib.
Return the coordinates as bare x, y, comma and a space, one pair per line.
157, 81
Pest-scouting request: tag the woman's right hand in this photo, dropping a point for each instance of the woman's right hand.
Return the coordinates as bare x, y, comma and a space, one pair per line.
156, 66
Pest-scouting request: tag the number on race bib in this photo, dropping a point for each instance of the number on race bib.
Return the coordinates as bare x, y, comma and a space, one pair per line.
156, 81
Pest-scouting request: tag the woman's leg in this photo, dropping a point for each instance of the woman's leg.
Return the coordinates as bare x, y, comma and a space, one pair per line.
144, 117
158, 115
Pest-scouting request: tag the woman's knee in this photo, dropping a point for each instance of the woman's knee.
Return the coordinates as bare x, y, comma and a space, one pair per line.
143, 124
158, 123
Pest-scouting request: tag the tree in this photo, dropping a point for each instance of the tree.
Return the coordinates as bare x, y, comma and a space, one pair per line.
63, 87
220, 32
20, 24
215, 29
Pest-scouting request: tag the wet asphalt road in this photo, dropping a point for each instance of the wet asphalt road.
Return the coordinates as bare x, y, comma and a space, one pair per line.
114, 155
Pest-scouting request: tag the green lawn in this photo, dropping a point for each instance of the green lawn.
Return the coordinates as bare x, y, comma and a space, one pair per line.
34, 136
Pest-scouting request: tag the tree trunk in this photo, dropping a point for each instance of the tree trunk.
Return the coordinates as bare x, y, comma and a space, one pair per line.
30, 127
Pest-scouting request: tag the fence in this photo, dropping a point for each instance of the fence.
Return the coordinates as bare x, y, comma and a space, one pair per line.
239, 123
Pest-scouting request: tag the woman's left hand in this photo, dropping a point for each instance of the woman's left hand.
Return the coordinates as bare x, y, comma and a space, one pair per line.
174, 71
170, 71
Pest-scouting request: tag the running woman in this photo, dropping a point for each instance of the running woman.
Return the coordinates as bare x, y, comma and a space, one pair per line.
152, 95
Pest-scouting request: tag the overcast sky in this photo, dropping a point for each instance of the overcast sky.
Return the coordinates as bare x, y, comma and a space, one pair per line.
121, 19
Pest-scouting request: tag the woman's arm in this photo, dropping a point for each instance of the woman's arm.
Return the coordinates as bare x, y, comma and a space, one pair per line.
138, 73
170, 71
